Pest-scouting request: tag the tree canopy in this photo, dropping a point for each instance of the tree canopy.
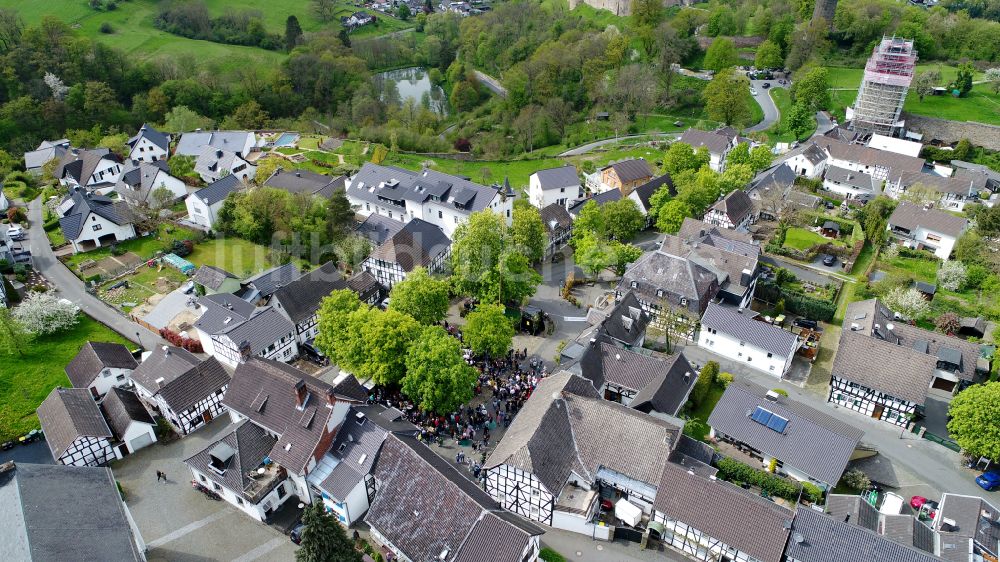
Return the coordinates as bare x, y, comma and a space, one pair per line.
437, 377
421, 296
726, 98
975, 419
487, 262
324, 539
487, 330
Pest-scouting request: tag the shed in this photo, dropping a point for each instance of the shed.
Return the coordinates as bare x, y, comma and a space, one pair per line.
179, 263
926, 289
972, 326
831, 229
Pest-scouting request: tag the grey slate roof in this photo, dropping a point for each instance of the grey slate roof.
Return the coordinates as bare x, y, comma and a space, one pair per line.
599, 199
739, 242
94, 357
973, 518
265, 327
911, 216
744, 327
122, 407
301, 298
659, 382
81, 164
220, 307
852, 509
961, 184
737, 206
737, 517
564, 426
378, 228
869, 156
365, 285
156, 137
219, 189
137, 180
417, 486
779, 176
391, 185
812, 442
415, 245
356, 447
67, 414
271, 280
212, 162
676, 276
715, 142
645, 191
251, 444
725, 259
555, 178
305, 181
85, 203
631, 170
826, 539
901, 372
186, 378
46, 151
851, 178
211, 277
265, 391
55, 512
627, 321
556, 214
190, 144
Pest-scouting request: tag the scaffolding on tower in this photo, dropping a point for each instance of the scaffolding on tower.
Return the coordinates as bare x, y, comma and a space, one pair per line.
883, 89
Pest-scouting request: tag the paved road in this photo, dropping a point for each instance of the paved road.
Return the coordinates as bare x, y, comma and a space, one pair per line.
823, 122
810, 275
71, 287
491, 83
585, 148
763, 98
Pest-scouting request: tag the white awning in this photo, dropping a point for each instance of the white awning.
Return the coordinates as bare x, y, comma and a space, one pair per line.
628, 512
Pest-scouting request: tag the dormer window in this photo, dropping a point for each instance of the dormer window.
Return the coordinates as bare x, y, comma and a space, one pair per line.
659, 293
635, 284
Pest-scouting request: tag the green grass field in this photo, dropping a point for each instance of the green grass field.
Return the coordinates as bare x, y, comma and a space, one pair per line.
802, 239
25, 380
779, 133
144, 247
239, 257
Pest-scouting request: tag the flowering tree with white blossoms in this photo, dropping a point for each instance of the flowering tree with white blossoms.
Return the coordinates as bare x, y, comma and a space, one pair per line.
42, 313
952, 275
908, 302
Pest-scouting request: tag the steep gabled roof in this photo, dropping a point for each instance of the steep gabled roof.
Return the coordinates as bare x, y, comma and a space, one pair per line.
737, 206
67, 414
121, 408
211, 277
911, 216
355, 449
181, 378
265, 327
556, 214
305, 181
811, 441
273, 279
555, 178
94, 357
219, 189
645, 191
743, 326
81, 164
900, 371
627, 321
631, 170
599, 199
152, 135
715, 142
301, 298
826, 539
661, 383
378, 228
415, 245
250, 443
138, 179
84, 203
391, 185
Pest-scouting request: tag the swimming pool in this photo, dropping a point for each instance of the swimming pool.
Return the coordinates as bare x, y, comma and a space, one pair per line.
286, 139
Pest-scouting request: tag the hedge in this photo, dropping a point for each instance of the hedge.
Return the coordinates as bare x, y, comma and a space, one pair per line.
796, 303
739, 473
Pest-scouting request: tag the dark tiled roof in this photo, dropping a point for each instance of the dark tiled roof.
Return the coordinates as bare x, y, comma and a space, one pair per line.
156, 137
356, 447
696, 230
737, 206
658, 381
69, 413
826, 539
54, 512
600, 199
566, 427
415, 245
558, 214
645, 191
121, 408
185, 378
737, 517
853, 509
220, 307
85, 203
305, 181
381, 184
911, 216
378, 228
219, 189
676, 276
265, 327
301, 298
137, 180
744, 327
779, 176
211, 277
631, 170
96, 356
851, 178
265, 391
812, 441
901, 371
251, 444
960, 184
365, 285
554, 178
271, 280
417, 486
80, 164
627, 321
715, 142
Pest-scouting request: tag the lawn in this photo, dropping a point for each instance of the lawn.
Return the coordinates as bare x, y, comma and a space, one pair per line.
145, 247
912, 268
700, 430
783, 101
25, 380
142, 285
802, 239
237, 256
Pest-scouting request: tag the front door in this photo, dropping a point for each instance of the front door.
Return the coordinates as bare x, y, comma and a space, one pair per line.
877, 413
207, 416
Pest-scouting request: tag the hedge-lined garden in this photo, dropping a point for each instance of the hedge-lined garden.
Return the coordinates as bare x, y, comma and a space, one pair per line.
772, 484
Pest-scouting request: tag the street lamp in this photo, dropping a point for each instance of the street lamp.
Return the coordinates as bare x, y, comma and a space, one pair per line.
139, 338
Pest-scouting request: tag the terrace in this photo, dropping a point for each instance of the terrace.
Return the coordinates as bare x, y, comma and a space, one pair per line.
262, 480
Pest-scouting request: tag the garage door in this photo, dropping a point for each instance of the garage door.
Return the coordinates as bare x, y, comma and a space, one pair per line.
140, 441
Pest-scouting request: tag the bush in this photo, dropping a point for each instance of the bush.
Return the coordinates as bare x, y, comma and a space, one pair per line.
724, 379
549, 555
117, 250
796, 303
740, 473
107, 28
705, 381
780, 391
856, 479
812, 492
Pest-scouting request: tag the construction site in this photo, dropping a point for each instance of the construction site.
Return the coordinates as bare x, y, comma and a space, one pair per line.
883, 89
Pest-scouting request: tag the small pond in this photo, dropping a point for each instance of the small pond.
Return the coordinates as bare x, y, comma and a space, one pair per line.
412, 83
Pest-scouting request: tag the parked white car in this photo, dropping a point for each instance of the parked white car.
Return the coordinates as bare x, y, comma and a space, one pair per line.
15, 232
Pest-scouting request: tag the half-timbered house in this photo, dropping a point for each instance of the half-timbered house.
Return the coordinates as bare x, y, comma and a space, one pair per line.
232, 329
184, 389
417, 244
74, 428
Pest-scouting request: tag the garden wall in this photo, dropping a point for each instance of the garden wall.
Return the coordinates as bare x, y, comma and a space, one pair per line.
978, 134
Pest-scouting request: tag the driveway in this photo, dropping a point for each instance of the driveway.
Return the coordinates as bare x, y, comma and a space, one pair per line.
34, 453
763, 99
802, 273
177, 522
71, 287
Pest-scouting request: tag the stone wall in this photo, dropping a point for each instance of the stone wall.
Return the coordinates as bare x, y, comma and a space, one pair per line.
946, 131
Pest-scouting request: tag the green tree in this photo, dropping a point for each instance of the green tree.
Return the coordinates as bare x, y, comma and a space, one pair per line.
873, 218
813, 89
487, 263
403, 12
672, 215
758, 158
181, 166
647, 13
924, 83
622, 219
464, 95
721, 54
250, 115
963, 80
324, 9
681, 156
487, 330
181, 119
622, 256
527, 231
800, 120
421, 296
161, 196
735, 177
699, 189
333, 320
117, 143
14, 338
726, 99
376, 343
324, 539
293, 33
975, 420
437, 377
592, 253
266, 167
706, 378
769, 55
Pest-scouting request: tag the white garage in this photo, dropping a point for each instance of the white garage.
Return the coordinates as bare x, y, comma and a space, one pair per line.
129, 420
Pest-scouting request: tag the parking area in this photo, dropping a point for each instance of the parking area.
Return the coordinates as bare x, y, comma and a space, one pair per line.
180, 524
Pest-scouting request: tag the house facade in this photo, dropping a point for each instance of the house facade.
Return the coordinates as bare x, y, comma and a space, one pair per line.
149, 145
100, 367
926, 228
851, 184
89, 168
129, 421
183, 389
625, 176
556, 186
266, 333
417, 244
141, 180
216, 163
92, 221
75, 430
734, 211
203, 205
718, 143
737, 335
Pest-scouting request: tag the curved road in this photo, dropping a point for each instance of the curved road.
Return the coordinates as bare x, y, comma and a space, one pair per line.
763, 99
585, 148
71, 287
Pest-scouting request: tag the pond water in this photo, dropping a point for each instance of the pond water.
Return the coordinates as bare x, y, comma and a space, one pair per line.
412, 83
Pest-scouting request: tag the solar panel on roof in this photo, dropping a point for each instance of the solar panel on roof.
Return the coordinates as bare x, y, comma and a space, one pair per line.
761, 416
777, 423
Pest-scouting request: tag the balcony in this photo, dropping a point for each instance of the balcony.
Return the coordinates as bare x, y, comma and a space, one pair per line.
263, 480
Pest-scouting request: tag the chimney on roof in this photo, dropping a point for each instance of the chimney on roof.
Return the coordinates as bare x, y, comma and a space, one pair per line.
245, 351
593, 342
300, 394
218, 154
298, 174
159, 382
